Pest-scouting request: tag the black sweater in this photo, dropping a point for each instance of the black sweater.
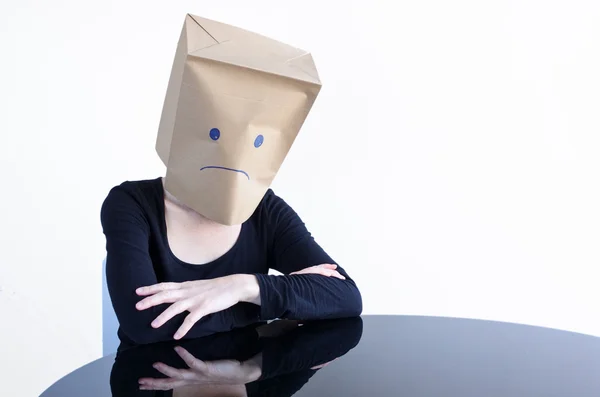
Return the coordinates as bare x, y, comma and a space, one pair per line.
138, 254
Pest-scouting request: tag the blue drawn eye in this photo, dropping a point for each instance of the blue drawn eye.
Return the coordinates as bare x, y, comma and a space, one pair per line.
259, 141
214, 134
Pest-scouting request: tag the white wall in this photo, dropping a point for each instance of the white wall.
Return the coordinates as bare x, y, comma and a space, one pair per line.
450, 163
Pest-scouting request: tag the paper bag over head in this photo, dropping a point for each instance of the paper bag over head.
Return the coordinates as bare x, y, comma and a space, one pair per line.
234, 105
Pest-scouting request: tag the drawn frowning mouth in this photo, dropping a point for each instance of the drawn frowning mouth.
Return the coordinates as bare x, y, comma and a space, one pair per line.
226, 169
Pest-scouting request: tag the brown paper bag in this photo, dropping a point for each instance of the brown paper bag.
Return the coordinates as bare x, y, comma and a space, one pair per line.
234, 105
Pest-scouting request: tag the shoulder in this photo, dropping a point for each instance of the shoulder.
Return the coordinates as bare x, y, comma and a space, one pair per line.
271, 203
134, 197
134, 191
273, 209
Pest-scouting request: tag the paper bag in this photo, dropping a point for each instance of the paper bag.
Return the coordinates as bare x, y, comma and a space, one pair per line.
234, 105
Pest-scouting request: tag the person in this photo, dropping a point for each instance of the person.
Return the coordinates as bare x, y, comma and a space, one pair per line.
189, 254
164, 259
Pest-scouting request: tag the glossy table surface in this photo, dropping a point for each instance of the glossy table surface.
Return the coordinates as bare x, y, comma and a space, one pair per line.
373, 356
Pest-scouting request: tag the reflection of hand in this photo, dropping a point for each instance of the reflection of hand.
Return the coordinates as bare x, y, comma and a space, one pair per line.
220, 372
200, 298
210, 390
326, 269
316, 367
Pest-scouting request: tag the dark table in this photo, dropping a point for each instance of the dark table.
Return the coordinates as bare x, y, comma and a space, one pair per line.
377, 356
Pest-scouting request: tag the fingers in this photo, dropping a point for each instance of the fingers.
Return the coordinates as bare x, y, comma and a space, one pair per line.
326, 270
315, 268
188, 323
190, 360
177, 378
172, 372
153, 289
168, 296
328, 266
329, 271
170, 312
323, 365
336, 274
160, 384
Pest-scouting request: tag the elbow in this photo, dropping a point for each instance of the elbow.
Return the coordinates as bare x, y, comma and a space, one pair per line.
138, 333
350, 303
139, 336
143, 339
355, 305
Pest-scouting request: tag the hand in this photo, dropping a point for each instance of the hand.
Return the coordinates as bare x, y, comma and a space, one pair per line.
200, 298
220, 372
327, 270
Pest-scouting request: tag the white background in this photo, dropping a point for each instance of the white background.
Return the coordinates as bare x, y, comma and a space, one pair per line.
450, 163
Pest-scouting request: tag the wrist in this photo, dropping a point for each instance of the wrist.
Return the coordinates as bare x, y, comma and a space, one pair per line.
249, 290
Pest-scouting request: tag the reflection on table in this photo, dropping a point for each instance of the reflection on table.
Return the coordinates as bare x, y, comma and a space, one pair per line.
276, 359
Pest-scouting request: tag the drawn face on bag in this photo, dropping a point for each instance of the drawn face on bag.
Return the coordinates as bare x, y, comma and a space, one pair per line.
232, 112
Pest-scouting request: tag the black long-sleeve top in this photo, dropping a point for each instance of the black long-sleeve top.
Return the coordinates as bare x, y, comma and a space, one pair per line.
274, 237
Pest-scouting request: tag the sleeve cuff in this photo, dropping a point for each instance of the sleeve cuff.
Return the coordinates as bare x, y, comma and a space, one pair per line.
272, 302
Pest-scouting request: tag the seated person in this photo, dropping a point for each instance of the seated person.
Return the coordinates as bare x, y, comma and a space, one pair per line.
189, 254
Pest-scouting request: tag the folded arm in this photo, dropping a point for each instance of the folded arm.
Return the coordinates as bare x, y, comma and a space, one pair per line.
129, 266
301, 296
